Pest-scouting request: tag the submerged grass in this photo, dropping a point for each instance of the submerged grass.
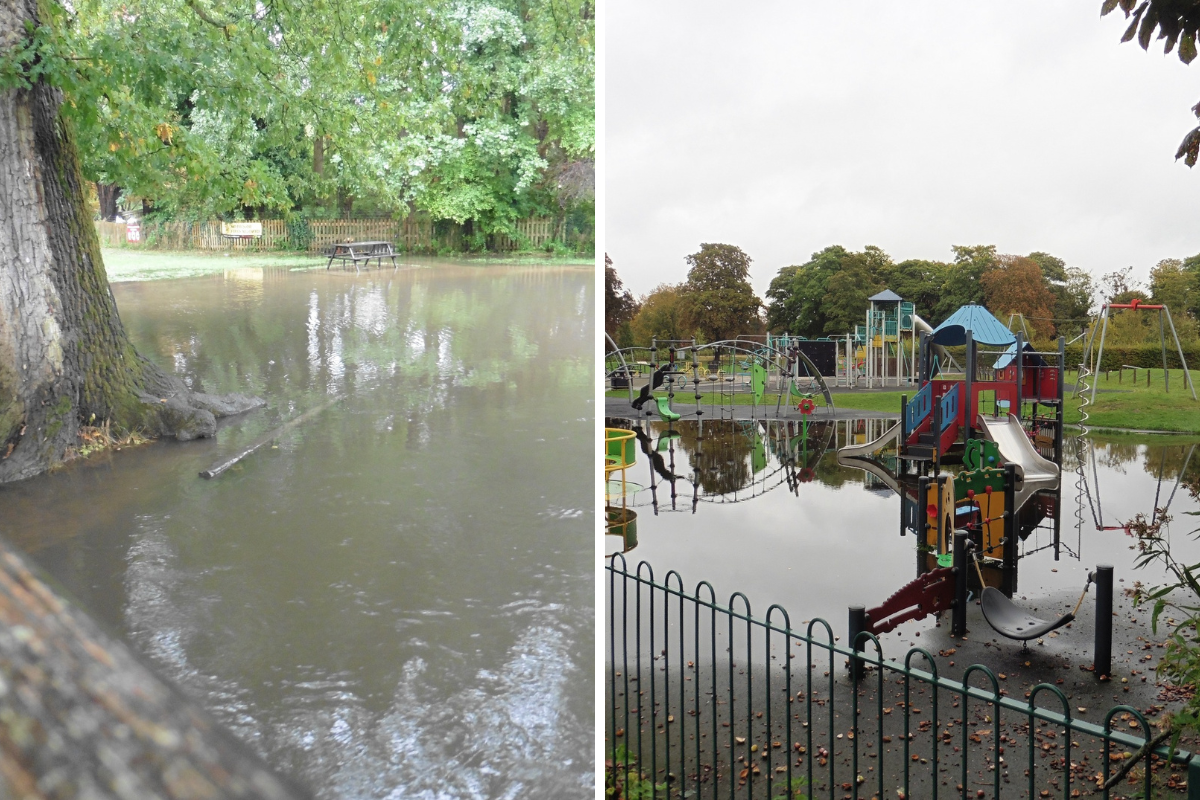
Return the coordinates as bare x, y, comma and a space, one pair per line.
95, 439
127, 264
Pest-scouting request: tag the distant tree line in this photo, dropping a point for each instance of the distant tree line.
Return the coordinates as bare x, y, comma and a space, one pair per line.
828, 294
715, 302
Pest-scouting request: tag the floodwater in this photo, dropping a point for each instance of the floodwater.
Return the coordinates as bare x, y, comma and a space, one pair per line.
397, 599
762, 509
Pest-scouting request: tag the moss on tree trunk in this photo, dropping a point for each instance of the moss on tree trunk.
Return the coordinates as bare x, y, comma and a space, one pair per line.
64, 355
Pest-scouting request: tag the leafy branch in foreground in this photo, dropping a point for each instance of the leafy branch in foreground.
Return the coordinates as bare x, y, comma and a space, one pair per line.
1180, 663
1178, 22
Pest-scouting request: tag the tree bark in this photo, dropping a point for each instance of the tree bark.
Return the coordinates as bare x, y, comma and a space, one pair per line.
64, 355
108, 194
318, 164
81, 716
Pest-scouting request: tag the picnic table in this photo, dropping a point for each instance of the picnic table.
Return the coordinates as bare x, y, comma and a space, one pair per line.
355, 252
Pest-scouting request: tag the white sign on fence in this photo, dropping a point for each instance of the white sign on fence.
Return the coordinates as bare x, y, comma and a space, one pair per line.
133, 231
242, 229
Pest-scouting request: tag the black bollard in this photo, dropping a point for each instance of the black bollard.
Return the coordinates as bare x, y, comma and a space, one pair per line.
1102, 658
1009, 573
858, 624
958, 620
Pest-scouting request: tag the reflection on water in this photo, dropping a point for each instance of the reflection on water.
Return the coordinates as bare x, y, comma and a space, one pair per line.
396, 599
764, 508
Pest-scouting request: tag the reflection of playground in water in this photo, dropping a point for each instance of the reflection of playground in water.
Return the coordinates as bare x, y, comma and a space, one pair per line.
691, 462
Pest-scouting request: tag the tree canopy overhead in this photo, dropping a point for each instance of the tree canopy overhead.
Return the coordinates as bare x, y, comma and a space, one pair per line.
469, 109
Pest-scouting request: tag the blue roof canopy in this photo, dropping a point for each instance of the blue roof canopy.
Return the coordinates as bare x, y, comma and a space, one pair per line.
984, 328
886, 296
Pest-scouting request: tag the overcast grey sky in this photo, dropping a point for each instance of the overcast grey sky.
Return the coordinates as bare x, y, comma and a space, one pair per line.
785, 127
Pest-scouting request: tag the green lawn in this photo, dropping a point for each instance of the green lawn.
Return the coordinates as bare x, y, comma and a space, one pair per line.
124, 264
1120, 404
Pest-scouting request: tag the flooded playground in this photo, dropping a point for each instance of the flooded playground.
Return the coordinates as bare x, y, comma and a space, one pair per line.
756, 507
395, 599
739, 520
976, 551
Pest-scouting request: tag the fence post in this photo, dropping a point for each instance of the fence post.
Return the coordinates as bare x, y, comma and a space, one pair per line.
1193, 778
1102, 658
858, 623
958, 623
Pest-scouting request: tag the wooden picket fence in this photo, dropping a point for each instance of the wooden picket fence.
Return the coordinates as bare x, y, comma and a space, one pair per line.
181, 235
414, 233
536, 230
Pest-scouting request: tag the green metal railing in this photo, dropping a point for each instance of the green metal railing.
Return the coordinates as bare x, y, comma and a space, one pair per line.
708, 701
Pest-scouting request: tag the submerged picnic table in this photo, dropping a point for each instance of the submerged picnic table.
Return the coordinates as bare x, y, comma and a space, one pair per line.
355, 252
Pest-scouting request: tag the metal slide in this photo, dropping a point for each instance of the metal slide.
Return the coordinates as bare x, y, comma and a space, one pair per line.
1033, 472
858, 456
944, 358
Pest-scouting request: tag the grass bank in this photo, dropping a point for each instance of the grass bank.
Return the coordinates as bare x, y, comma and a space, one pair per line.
1121, 403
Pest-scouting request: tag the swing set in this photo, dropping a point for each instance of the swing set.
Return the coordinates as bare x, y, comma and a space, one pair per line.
1088, 367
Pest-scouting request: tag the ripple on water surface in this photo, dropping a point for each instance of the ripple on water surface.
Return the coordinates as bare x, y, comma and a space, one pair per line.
394, 600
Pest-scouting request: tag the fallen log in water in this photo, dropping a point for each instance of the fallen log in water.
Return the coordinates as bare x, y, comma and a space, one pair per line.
218, 468
81, 716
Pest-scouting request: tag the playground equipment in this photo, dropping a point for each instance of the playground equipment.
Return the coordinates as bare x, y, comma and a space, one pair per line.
948, 587
884, 354
722, 375
1034, 473
758, 366
619, 455
1093, 367
1002, 402
1013, 622
1002, 420
883, 351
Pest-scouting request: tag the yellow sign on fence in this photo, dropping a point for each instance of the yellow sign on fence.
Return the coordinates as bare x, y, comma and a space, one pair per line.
240, 229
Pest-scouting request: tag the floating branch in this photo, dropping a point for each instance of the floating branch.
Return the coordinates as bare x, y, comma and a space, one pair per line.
218, 468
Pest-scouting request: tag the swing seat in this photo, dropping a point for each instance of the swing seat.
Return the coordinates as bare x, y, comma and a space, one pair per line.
1010, 620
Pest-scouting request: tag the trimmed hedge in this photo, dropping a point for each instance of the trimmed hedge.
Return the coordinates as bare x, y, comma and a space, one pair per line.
1146, 356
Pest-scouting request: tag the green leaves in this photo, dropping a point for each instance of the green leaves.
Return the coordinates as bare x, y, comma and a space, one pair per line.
1187, 47
1189, 148
1176, 23
717, 295
468, 106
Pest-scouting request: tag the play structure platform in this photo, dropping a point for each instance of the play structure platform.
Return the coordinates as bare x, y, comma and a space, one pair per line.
999, 423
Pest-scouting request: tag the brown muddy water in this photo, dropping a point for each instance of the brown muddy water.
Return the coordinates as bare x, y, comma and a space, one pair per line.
397, 599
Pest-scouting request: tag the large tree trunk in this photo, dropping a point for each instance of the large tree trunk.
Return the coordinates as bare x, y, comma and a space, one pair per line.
64, 354
108, 194
82, 717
